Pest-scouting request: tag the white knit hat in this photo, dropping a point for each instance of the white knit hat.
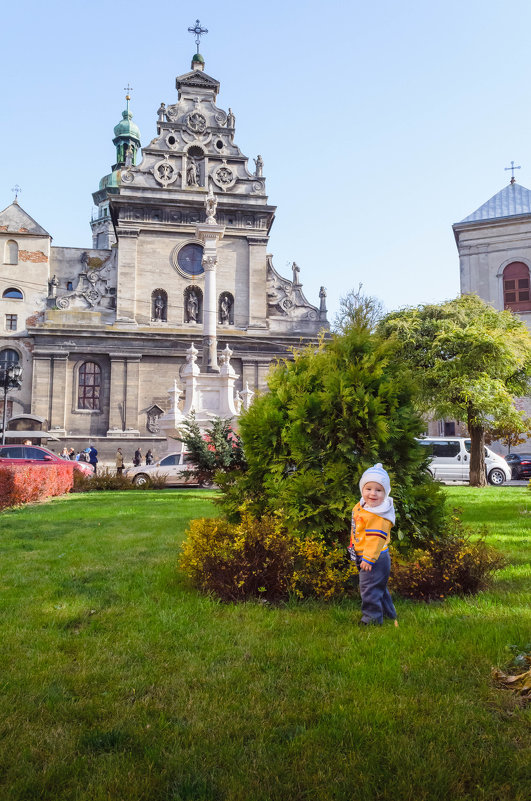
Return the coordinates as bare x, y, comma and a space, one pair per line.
378, 474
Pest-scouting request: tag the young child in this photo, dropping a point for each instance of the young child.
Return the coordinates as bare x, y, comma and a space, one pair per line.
372, 519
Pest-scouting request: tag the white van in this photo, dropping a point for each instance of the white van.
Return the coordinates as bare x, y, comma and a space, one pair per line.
451, 460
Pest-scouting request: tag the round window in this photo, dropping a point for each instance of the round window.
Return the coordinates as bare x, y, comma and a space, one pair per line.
190, 259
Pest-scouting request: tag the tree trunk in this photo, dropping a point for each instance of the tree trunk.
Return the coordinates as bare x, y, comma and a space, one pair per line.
478, 473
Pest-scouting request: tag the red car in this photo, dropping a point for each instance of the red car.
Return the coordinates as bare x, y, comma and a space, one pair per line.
34, 454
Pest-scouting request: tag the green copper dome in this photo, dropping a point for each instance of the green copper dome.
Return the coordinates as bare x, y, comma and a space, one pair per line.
198, 57
111, 181
127, 128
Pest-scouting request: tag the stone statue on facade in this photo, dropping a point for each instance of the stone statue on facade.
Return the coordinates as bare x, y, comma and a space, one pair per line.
259, 166
322, 299
162, 112
192, 173
296, 270
224, 309
192, 307
128, 155
159, 308
231, 119
53, 283
211, 205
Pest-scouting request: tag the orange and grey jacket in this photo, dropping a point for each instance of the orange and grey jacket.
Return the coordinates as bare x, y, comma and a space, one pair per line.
370, 534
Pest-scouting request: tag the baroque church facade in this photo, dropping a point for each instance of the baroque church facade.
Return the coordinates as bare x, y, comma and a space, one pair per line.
102, 333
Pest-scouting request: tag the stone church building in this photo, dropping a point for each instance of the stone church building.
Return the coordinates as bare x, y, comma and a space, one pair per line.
102, 333
494, 244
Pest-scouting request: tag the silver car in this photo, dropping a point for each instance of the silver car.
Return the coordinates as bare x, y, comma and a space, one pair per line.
171, 467
450, 460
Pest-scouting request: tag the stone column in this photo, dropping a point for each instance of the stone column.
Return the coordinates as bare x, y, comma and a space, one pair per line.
209, 234
126, 277
132, 387
58, 393
257, 280
41, 386
117, 395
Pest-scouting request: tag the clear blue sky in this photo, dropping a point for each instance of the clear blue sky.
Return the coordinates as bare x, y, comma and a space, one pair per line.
379, 124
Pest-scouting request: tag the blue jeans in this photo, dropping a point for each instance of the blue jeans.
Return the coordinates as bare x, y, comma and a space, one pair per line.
376, 602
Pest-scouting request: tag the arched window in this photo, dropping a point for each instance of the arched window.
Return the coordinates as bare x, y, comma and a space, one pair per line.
11, 252
89, 386
13, 293
516, 287
159, 305
193, 305
8, 356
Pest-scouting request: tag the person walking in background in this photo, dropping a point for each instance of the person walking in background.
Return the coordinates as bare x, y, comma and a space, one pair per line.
71, 454
137, 458
119, 462
149, 457
93, 457
64, 453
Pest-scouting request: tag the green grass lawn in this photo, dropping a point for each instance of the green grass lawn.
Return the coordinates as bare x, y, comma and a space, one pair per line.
120, 682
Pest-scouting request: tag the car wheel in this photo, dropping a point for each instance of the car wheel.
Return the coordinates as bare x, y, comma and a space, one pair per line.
496, 477
140, 479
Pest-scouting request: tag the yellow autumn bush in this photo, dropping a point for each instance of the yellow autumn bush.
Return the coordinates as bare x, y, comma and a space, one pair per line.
259, 558
451, 565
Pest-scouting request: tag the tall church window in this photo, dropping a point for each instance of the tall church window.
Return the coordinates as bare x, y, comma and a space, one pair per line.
516, 289
13, 293
11, 252
89, 386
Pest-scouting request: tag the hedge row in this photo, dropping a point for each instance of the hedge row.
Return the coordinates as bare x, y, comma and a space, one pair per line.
33, 483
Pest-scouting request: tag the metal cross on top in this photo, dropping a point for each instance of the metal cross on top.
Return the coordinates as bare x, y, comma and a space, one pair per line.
17, 190
128, 89
199, 31
512, 168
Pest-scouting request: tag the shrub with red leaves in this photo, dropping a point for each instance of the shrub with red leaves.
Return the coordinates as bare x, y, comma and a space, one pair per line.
24, 484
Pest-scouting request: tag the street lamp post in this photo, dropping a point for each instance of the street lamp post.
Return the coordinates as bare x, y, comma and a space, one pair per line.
11, 379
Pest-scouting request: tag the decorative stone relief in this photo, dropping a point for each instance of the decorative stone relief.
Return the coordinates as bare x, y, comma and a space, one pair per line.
196, 122
224, 177
127, 177
153, 416
209, 262
285, 298
93, 287
172, 112
172, 141
164, 172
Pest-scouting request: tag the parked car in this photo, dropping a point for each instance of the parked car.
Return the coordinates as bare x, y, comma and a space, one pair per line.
34, 454
520, 464
450, 460
170, 467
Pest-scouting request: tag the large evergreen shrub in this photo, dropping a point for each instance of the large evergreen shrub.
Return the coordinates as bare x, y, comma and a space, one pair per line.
333, 411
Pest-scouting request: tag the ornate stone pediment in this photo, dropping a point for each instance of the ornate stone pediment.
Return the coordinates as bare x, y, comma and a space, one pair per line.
94, 288
285, 298
196, 80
